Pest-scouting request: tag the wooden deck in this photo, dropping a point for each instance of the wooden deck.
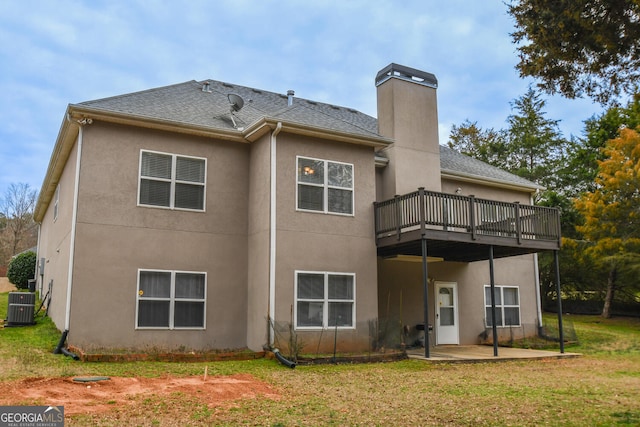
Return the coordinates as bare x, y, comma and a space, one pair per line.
463, 228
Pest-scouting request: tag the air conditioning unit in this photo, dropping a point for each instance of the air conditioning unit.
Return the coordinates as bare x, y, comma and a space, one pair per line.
21, 308
22, 298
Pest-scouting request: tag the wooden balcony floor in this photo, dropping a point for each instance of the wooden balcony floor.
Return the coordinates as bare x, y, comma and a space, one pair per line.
459, 246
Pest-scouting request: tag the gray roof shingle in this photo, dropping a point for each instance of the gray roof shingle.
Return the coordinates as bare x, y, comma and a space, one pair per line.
187, 103
454, 162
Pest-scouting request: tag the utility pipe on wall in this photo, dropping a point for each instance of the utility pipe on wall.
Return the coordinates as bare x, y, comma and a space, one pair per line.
39, 272
272, 232
74, 218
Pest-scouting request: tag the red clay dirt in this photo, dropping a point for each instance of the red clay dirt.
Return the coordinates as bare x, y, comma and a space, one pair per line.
117, 392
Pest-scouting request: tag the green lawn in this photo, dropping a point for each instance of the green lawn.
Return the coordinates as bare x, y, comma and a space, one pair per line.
602, 388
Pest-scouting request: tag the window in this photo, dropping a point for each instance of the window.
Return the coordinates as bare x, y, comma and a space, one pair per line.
56, 203
507, 305
325, 186
172, 181
171, 299
325, 300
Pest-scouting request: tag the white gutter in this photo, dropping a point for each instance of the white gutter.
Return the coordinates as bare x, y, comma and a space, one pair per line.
272, 234
494, 182
537, 281
74, 219
39, 272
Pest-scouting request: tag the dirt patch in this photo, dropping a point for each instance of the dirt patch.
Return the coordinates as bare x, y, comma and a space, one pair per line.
6, 286
117, 392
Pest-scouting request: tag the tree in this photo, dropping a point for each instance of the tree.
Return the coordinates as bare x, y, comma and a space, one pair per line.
582, 166
612, 212
22, 268
19, 228
532, 146
579, 47
486, 145
536, 147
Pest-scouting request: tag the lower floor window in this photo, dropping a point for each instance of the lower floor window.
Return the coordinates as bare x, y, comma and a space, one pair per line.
507, 300
324, 300
171, 299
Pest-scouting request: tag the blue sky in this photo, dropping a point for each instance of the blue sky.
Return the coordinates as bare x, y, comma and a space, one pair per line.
53, 53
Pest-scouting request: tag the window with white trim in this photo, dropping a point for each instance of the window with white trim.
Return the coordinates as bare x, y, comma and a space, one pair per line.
507, 306
325, 300
56, 203
172, 181
171, 299
324, 186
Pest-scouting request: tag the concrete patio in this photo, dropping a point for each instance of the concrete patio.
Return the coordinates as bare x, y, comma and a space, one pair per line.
484, 353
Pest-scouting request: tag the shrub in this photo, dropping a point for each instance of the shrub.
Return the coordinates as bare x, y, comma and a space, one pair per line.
21, 269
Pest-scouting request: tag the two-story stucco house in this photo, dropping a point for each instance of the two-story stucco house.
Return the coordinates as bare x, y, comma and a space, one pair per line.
207, 216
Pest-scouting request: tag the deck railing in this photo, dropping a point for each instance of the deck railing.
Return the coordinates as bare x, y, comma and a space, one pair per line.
465, 214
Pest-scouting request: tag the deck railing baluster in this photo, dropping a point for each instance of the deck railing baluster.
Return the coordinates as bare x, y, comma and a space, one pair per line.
465, 214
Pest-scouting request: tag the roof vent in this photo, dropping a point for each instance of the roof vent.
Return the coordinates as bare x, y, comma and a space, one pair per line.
290, 94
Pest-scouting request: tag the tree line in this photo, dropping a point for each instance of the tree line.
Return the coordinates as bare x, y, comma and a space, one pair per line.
18, 231
577, 48
593, 179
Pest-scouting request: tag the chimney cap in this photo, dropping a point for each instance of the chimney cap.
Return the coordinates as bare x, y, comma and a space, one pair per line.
406, 73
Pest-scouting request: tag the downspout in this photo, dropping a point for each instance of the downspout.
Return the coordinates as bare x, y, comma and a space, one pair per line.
536, 269
74, 218
39, 272
272, 233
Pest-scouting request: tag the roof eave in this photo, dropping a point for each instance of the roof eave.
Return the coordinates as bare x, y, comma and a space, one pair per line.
64, 144
79, 112
264, 125
494, 182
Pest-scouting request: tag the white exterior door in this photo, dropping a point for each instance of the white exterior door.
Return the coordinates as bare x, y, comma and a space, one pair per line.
446, 313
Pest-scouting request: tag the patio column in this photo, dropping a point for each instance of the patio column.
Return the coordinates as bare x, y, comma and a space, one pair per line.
493, 303
425, 270
559, 297
425, 298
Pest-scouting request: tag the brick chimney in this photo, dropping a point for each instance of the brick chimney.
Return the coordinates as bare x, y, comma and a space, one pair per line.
408, 114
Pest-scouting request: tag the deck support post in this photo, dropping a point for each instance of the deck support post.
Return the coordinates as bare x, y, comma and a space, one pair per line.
493, 303
559, 297
425, 268
425, 292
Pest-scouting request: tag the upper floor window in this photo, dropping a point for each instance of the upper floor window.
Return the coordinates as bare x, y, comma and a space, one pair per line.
507, 300
172, 181
325, 186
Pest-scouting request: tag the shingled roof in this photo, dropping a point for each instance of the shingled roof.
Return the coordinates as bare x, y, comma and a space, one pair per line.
455, 163
205, 104
188, 103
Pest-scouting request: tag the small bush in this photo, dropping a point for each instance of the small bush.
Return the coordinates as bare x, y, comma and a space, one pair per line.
21, 269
